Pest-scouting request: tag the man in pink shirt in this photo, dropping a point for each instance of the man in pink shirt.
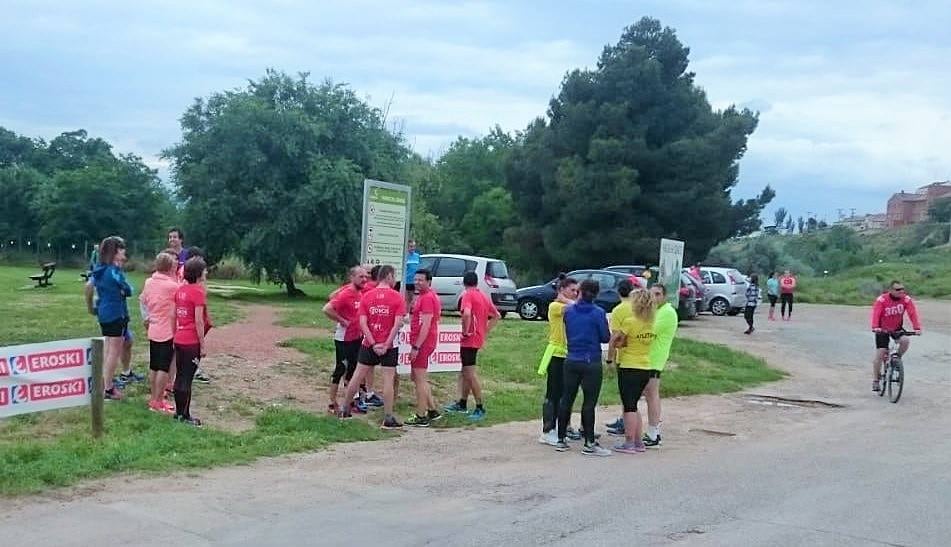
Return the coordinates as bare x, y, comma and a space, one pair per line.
158, 306
479, 316
381, 316
344, 308
424, 337
888, 315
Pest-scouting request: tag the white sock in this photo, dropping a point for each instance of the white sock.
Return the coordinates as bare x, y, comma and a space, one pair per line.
653, 432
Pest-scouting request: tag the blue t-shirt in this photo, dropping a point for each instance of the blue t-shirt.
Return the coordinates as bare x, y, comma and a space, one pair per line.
412, 266
112, 290
772, 286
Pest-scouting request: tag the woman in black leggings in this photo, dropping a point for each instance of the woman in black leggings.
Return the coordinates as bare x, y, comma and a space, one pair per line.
586, 328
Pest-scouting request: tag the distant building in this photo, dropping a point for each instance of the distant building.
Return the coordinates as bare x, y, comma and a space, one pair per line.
905, 208
864, 223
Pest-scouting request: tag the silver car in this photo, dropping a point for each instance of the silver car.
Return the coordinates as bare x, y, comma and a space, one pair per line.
725, 290
494, 280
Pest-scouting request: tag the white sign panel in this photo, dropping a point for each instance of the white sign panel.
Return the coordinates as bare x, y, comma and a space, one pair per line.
386, 222
444, 359
671, 263
38, 377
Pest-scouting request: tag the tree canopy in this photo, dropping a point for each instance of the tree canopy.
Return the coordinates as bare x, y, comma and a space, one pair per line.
630, 152
273, 172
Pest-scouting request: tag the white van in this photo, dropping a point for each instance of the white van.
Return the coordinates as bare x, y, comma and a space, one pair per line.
448, 269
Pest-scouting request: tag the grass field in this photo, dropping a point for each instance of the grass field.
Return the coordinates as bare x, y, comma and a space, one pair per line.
55, 449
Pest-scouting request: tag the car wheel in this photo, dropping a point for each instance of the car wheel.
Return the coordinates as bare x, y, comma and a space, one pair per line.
719, 306
529, 309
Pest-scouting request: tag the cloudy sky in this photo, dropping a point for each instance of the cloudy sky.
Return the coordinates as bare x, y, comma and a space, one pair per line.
854, 99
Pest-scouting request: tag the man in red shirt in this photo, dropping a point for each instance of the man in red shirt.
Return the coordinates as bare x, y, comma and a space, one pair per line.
423, 336
787, 286
479, 316
381, 316
343, 308
888, 314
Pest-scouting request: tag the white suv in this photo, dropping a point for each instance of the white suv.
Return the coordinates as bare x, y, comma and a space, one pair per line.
494, 281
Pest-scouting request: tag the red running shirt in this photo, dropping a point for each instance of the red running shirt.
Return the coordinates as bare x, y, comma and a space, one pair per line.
787, 284
187, 299
482, 308
425, 304
346, 302
382, 307
888, 314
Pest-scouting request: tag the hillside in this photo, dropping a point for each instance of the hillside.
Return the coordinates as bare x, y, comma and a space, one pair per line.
838, 266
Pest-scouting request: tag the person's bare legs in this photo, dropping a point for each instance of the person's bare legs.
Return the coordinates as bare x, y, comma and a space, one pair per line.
903, 344
172, 373
652, 395
126, 356
354, 385
112, 353
633, 427
389, 385
880, 355
424, 397
471, 383
157, 382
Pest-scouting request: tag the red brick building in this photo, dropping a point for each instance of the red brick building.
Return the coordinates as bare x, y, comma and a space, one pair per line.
904, 208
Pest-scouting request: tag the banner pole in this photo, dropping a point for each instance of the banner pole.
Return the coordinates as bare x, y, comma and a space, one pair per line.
97, 388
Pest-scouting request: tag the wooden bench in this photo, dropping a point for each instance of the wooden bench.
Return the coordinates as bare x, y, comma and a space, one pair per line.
43, 279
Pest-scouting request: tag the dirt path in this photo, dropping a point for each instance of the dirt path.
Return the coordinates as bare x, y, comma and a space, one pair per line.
250, 370
731, 471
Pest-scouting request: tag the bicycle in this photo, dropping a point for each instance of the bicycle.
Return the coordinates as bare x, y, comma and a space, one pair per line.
892, 371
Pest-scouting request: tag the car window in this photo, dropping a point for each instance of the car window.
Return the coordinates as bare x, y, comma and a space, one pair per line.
705, 275
451, 267
718, 277
605, 281
498, 270
427, 263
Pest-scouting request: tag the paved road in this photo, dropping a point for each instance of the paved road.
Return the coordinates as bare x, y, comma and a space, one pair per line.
731, 472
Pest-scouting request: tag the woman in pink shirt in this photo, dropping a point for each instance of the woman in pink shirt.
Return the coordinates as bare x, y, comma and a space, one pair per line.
158, 312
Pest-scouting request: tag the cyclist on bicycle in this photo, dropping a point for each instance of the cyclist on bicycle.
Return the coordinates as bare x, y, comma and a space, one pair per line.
888, 313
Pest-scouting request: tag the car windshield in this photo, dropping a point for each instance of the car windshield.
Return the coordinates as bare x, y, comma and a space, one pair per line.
497, 270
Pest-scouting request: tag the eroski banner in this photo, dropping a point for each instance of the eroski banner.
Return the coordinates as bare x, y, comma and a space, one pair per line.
38, 377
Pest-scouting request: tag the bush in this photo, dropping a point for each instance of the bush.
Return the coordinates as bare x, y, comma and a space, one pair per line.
229, 268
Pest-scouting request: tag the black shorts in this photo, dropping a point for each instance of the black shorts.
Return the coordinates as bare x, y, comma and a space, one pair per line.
630, 384
411, 287
881, 340
114, 329
468, 356
772, 299
161, 355
347, 354
388, 359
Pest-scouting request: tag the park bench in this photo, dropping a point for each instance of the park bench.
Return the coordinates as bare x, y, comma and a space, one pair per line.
43, 279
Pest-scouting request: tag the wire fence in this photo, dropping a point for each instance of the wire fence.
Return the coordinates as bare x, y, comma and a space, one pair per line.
66, 251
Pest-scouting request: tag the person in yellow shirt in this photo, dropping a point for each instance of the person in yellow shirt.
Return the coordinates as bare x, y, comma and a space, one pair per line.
633, 343
553, 361
665, 328
620, 312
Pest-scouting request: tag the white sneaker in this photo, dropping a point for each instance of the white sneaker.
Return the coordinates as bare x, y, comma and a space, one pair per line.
550, 438
595, 450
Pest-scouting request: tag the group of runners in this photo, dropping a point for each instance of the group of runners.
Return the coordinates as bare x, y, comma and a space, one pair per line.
369, 313
639, 336
174, 309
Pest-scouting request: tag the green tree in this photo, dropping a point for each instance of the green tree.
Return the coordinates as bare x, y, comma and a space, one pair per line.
790, 225
801, 224
273, 173
779, 217
630, 152
940, 210
18, 215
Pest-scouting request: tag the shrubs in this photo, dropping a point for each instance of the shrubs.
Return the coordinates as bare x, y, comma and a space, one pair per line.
229, 268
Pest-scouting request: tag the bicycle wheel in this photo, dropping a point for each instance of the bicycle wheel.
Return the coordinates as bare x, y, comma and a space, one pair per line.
896, 380
882, 378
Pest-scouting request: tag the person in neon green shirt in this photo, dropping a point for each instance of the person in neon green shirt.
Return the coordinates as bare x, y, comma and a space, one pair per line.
620, 312
634, 368
665, 328
553, 361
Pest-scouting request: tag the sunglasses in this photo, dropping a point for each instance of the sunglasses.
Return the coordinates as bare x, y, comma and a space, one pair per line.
899, 289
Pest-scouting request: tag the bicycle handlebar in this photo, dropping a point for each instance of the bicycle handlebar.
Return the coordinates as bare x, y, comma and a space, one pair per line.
899, 333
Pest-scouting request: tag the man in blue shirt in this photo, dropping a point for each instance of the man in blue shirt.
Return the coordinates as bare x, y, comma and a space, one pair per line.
412, 266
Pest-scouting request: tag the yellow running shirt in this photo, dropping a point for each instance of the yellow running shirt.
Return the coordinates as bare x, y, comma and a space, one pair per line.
621, 312
556, 328
639, 335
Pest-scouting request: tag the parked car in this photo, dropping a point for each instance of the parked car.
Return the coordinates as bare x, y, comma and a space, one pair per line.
699, 291
533, 301
725, 290
494, 280
628, 269
687, 304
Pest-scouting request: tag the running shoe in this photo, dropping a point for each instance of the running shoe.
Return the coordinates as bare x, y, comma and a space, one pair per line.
616, 424
358, 407
391, 423
200, 376
374, 400
595, 450
454, 407
113, 394
573, 435
119, 382
332, 409
190, 420
131, 377
875, 386
160, 406
562, 446
628, 448
651, 443
477, 415
434, 415
550, 438
617, 431
418, 421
